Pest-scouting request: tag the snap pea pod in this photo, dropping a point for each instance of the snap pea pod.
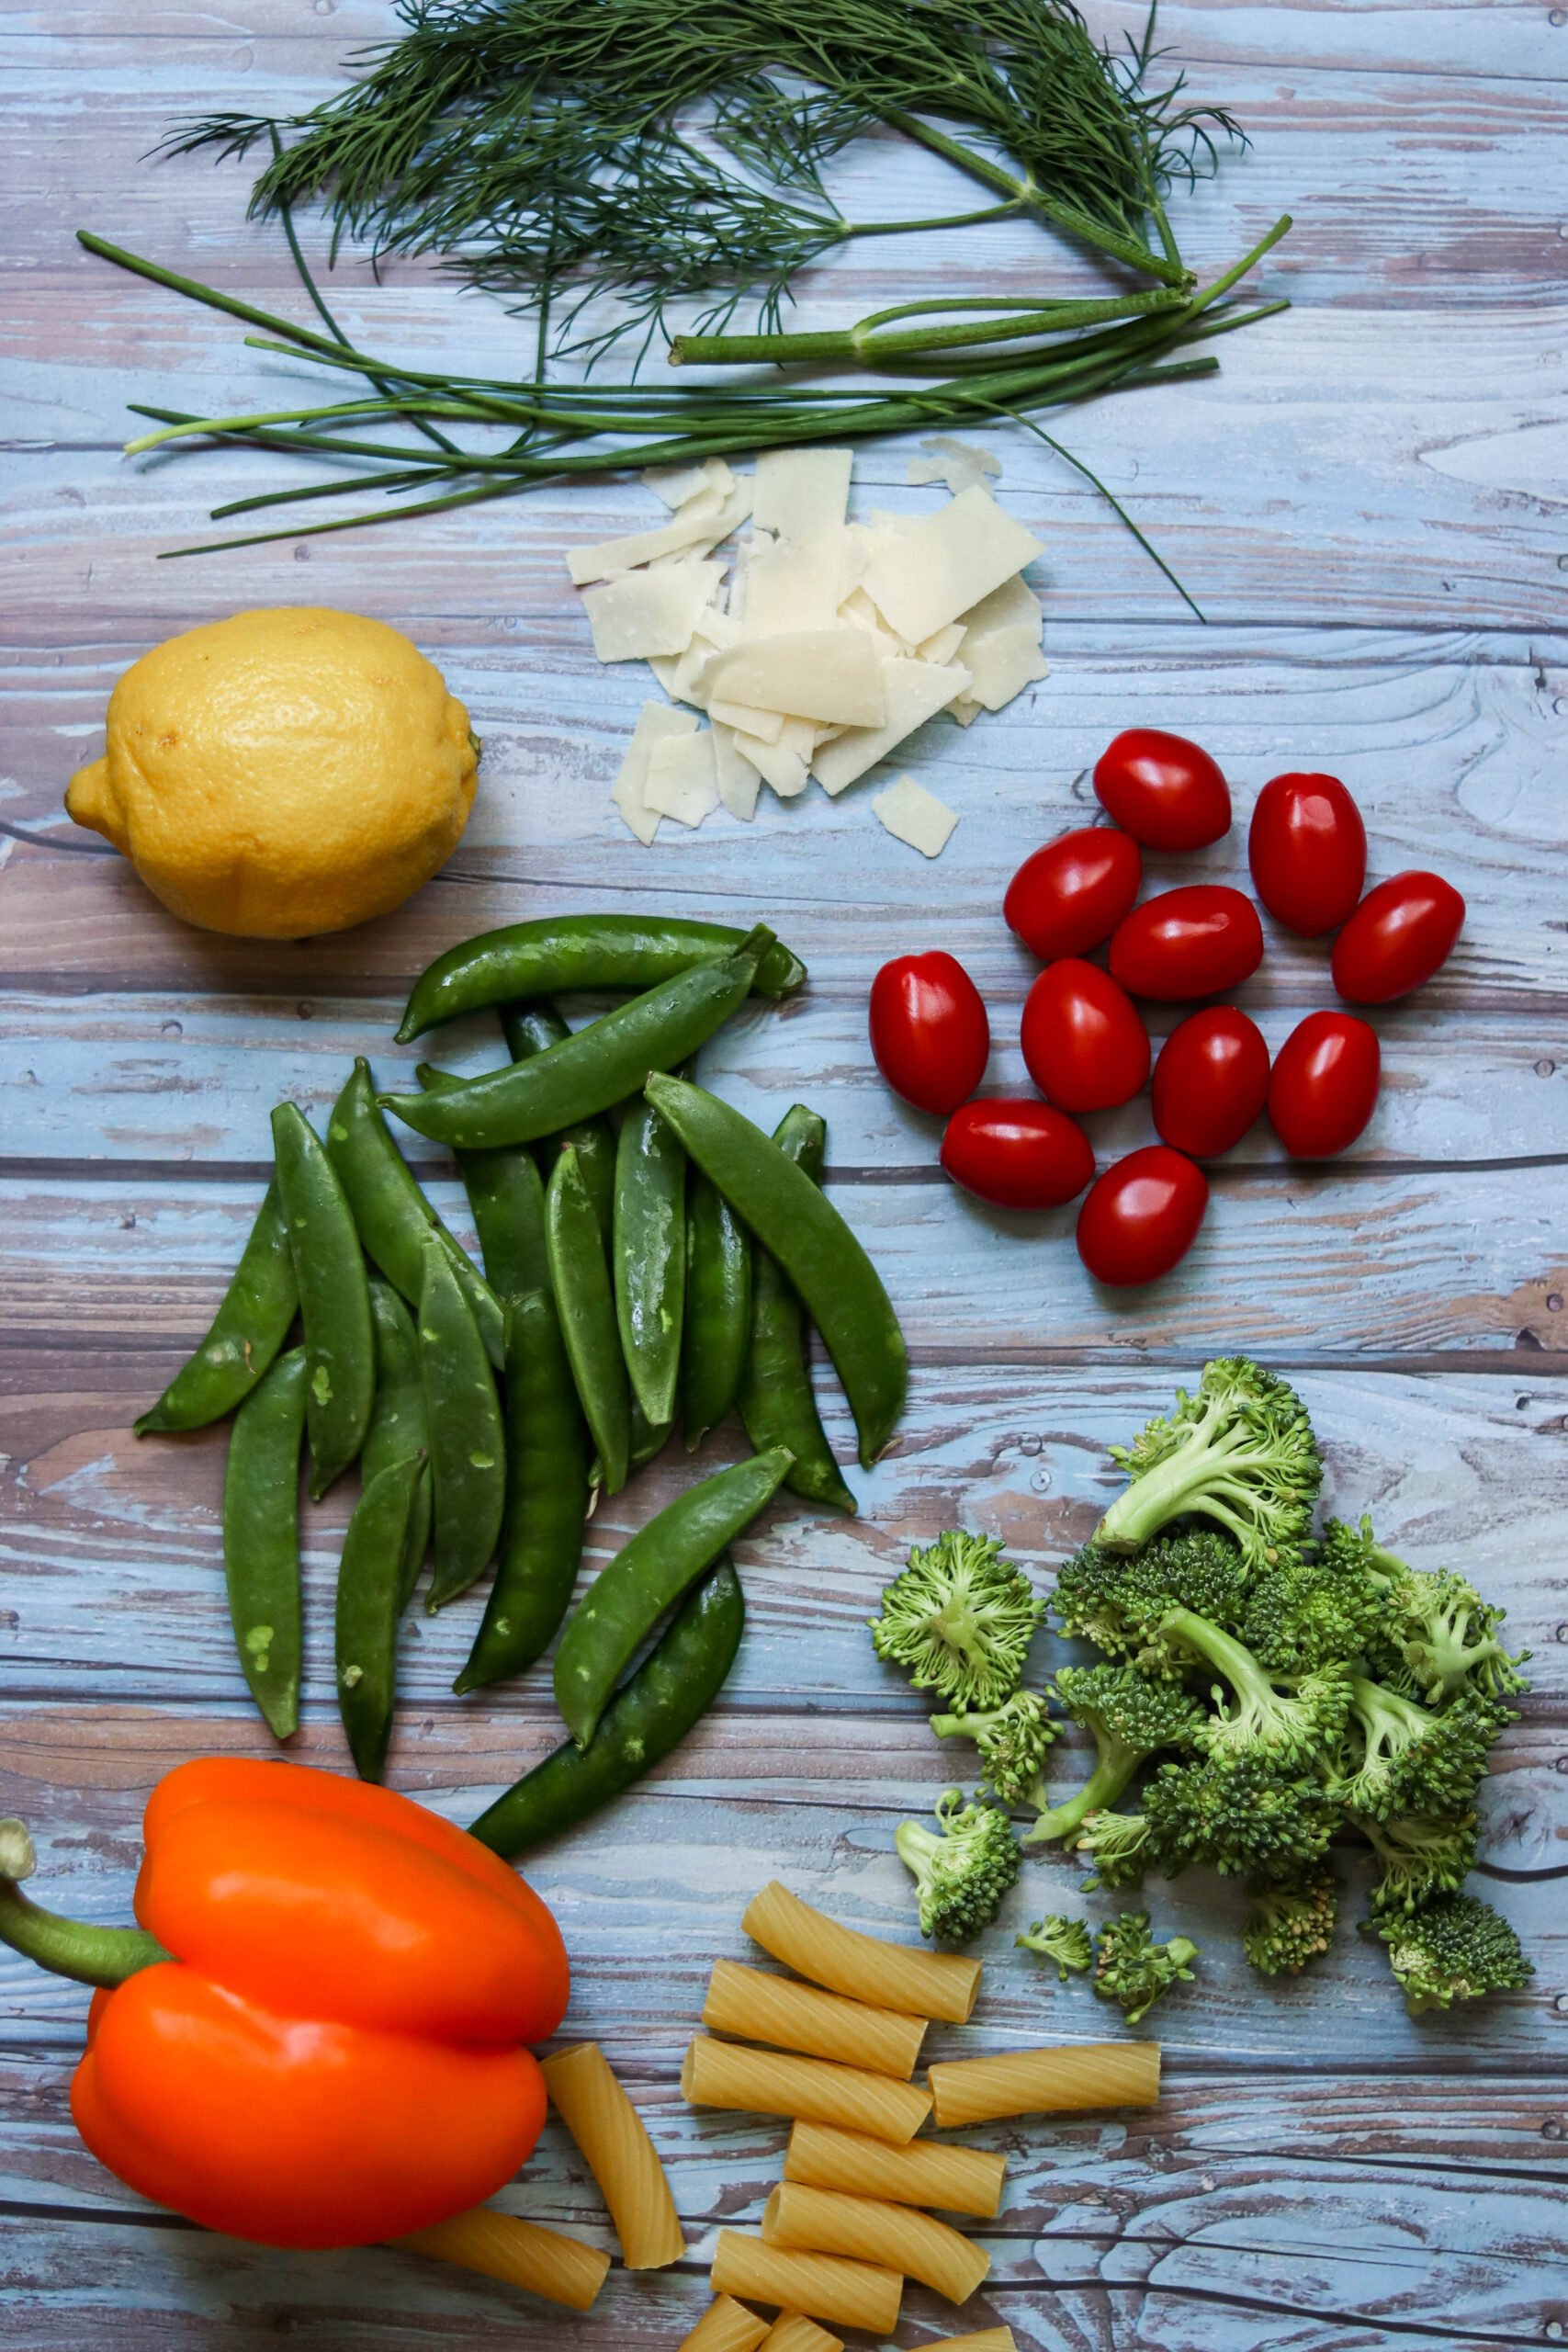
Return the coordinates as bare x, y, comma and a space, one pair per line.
579, 952
243, 1338
649, 1258
776, 1402
531, 1029
391, 1210
335, 1297
466, 1442
650, 1714
792, 1220
719, 1310
579, 1277
648, 1440
593, 1068
646, 1576
261, 1539
400, 1423
369, 1607
547, 1498
506, 1194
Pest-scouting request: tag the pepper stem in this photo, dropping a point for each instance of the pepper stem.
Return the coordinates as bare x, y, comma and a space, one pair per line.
102, 1956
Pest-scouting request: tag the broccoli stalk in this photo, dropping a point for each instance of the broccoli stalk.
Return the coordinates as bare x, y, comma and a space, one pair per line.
1455, 1948
1131, 1718
1066, 1941
1240, 1452
1290, 1926
960, 1617
1290, 1725
1012, 1740
1131, 1969
1411, 1762
963, 1871
1420, 1857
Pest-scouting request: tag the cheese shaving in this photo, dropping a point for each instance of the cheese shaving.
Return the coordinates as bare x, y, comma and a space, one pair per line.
956, 463
682, 779
646, 613
802, 493
739, 781
1003, 664
916, 691
658, 723
912, 814
677, 485
824, 673
938, 567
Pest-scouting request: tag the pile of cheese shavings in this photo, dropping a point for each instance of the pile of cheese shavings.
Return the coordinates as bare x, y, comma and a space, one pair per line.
831, 643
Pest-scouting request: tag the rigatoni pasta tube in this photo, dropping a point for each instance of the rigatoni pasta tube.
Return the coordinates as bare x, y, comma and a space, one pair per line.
851, 2294
724, 2326
1046, 2082
960, 2180
560, 2268
867, 2229
766, 2082
988, 2339
621, 2156
759, 2008
890, 1976
793, 2332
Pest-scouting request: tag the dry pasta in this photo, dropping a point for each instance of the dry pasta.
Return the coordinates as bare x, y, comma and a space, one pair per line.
759, 2008
793, 2332
988, 2339
621, 2156
960, 2180
560, 2268
766, 2082
866, 2229
890, 1976
726, 2327
1046, 2082
851, 2294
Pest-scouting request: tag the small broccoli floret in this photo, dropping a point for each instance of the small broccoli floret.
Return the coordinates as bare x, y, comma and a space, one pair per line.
1290, 1926
960, 1617
1012, 1740
1243, 1816
1066, 1941
1420, 1857
1456, 1947
963, 1871
1131, 1717
1287, 1726
1447, 1639
1241, 1451
1131, 1969
1116, 1600
1303, 1616
1405, 1760
1119, 1847
1355, 1551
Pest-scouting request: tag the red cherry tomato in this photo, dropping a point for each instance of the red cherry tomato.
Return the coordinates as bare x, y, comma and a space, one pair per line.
1083, 1041
1017, 1154
1142, 1216
1324, 1084
1400, 934
1166, 792
928, 1030
1072, 894
1307, 849
1210, 1081
1193, 942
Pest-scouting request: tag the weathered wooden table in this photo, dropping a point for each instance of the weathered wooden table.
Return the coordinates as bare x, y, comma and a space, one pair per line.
1367, 504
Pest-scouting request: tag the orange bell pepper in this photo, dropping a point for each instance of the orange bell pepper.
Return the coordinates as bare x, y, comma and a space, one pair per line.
316, 2037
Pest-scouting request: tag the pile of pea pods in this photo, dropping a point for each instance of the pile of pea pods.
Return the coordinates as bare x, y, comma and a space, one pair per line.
663, 1264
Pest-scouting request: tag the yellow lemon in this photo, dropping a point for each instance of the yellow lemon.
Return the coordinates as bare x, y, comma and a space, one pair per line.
281, 773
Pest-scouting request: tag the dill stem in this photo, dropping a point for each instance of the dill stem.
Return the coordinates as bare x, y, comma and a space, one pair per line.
868, 344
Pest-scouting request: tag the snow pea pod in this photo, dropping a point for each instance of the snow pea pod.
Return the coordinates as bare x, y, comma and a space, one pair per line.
261, 1539
595, 1066
646, 1576
391, 1212
335, 1297
400, 1423
776, 1402
649, 1258
506, 1194
467, 1442
243, 1337
579, 952
530, 1029
650, 1714
719, 1310
369, 1607
579, 1277
547, 1498
792, 1220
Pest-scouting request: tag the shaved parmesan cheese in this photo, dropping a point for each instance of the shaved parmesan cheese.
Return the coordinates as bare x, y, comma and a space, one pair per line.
967, 711
739, 781
946, 562
956, 463
677, 485
1004, 663
828, 673
612, 556
801, 493
784, 765
650, 612
712, 524
943, 645
915, 692
791, 587
914, 815
1012, 605
657, 724
714, 630
682, 780
858, 608
768, 725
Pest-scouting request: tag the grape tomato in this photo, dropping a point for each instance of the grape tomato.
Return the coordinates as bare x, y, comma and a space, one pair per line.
1193, 942
1307, 849
1017, 1154
1142, 1216
1166, 792
1210, 1081
928, 1030
1084, 1045
1323, 1088
1072, 894
1400, 934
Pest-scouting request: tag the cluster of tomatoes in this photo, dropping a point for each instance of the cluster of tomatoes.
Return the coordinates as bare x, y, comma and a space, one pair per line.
1084, 1040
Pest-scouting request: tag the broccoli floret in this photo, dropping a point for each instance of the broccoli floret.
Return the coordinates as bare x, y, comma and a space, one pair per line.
1131, 1717
1117, 1601
1406, 1760
1447, 1639
1066, 1941
1119, 1847
963, 1871
1287, 1725
1456, 1947
1355, 1551
1012, 1740
1243, 1817
1241, 1451
1131, 1969
1303, 1616
1420, 1857
1290, 1926
960, 1617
